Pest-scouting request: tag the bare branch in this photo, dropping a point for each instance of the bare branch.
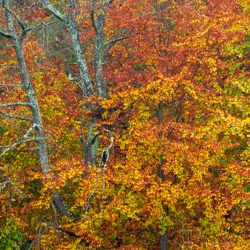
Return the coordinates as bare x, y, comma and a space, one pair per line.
55, 213
104, 161
92, 17
21, 140
116, 40
40, 25
9, 66
16, 104
109, 61
17, 143
28, 150
7, 35
151, 229
2, 185
113, 42
11, 85
102, 164
40, 233
92, 194
16, 117
108, 2
75, 81
51, 8
14, 15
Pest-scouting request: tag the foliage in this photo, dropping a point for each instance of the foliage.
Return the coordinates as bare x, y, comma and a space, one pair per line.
10, 237
177, 107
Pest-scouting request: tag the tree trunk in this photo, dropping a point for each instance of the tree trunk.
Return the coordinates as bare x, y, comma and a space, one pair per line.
31, 96
164, 237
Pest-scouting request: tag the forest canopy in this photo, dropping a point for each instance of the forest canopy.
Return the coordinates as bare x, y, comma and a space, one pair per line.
124, 124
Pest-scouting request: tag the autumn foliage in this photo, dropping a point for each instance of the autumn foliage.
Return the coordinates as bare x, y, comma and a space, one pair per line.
170, 108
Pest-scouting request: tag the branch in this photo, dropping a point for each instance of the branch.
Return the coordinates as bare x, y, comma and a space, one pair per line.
109, 61
17, 117
92, 194
16, 104
51, 8
75, 81
40, 233
111, 43
11, 85
92, 16
21, 140
61, 205
28, 150
151, 229
14, 15
7, 35
103, 162
116, 40
93, 139
180, 105
41, 25
108, 2
55, 213
6, 65
2, 185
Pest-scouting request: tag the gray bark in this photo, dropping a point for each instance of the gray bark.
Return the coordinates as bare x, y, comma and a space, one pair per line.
98, 53
69, 21
27, 86
32, 102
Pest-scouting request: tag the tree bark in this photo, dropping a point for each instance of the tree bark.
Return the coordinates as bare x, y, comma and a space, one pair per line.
164, 237
90, 150
31, 96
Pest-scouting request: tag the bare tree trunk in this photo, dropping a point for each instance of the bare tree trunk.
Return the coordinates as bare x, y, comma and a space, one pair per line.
90, 151
27, 86
32, 101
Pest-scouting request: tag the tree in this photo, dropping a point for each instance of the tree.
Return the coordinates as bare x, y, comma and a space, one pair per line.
172, 93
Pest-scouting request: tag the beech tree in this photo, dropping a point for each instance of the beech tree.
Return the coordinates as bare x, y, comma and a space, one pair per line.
139, 114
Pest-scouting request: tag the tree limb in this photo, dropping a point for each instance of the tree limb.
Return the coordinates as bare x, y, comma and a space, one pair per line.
9, 66
116, 40
20, 140
7, 35
16, 104
16, 117
93, 18
40, 25
51, 8
2, 185
40, 233
151, 229
14, 15
11, 85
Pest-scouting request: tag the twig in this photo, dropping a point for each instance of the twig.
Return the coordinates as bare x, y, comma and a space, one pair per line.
21, 140
116, 40
102, 164
41, 233
151, 229
2, 185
